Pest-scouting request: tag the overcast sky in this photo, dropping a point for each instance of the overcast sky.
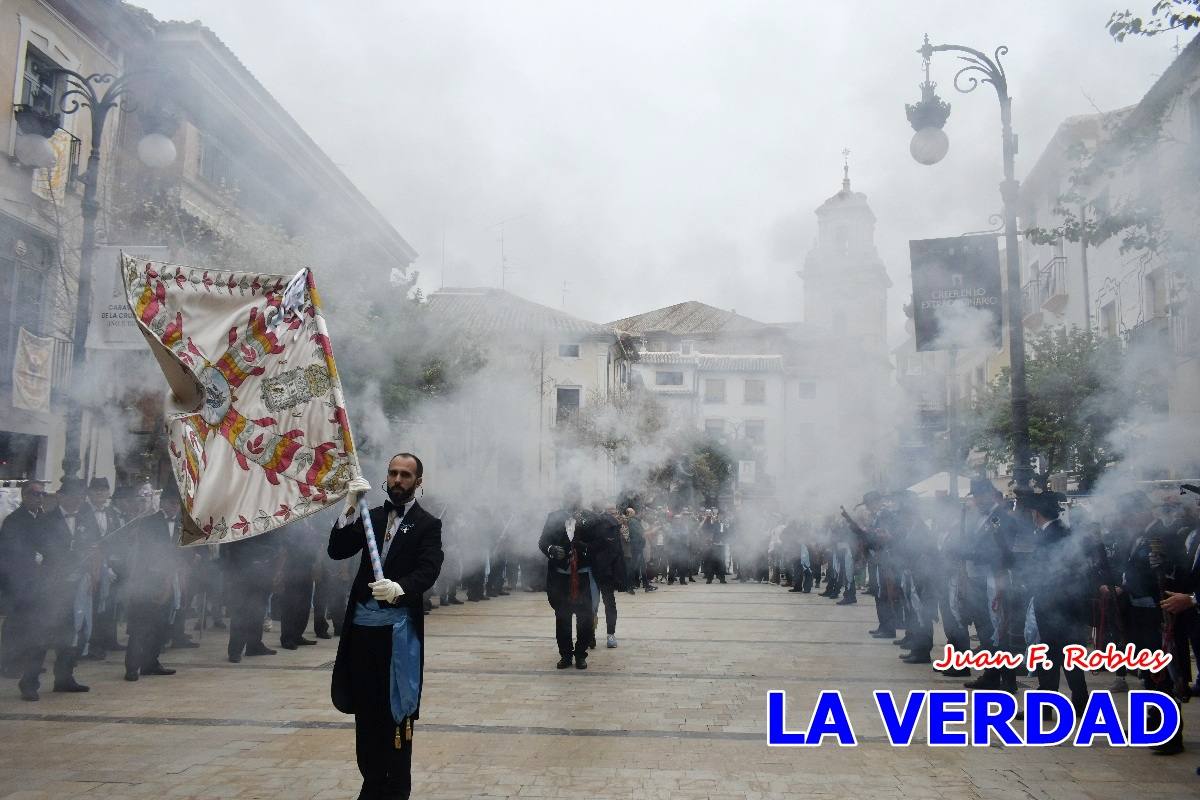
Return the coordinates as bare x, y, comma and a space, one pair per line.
647, 153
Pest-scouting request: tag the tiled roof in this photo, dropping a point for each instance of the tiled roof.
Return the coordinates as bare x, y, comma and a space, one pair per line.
714, 363
685, 319
488, 311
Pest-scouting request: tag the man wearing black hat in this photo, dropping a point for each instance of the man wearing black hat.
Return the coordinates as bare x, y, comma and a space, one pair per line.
876, 542
1061, 585
153, 583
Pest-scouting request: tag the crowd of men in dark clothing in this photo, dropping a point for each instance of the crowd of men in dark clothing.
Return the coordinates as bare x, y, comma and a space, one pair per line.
76, 563
1012, 571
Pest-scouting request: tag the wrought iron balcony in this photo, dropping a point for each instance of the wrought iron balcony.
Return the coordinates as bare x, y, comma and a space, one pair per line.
1053, 280
1153, 333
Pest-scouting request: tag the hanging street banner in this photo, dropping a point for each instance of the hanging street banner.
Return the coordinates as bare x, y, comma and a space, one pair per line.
113, 326
957, 299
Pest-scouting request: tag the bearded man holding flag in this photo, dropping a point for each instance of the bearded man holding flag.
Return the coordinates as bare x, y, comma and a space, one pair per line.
377, 674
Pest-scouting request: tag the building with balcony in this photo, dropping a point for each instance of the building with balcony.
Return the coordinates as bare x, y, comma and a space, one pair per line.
242, 165
1103, 166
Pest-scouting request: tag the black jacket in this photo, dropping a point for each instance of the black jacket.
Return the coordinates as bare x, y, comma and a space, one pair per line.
414, 561
18, 556
586, 546
152, 560
608, 559
1061, 580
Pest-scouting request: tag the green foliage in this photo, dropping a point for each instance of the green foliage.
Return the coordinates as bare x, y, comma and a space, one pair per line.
1078, 394
1165, 15
711, 468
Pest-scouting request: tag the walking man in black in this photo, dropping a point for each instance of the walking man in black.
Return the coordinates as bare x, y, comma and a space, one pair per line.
568, 539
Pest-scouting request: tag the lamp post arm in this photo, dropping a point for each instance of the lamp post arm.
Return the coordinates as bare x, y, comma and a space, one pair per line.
981, 68
83, 92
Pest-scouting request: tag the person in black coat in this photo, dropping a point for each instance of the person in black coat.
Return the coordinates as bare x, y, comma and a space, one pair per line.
18, 568
610, 569
409, 540
64, 541
151, 583
569, 539
1061, 584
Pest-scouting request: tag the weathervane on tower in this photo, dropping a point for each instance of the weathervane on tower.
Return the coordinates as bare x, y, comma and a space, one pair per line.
845, 169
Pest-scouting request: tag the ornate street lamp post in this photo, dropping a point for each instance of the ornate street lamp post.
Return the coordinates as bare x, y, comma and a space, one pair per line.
99, 93
929, 145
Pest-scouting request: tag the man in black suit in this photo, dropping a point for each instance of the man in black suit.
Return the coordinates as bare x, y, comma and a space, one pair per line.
152, 583
18, 569
1061, 585
63, 576
409, 541
570, 539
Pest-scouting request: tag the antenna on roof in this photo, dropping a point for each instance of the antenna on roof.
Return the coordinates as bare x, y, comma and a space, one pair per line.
564, 295
504, 267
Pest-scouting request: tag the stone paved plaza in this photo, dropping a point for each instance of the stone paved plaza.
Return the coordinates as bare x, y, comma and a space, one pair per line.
677, 711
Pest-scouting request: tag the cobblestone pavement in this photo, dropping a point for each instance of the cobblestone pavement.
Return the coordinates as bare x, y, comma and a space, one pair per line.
677, 711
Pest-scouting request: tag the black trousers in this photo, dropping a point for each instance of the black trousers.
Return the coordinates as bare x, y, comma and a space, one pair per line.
295, 602
15, 640
584, 626
1049, 678
249, 592
495, 581
677, 568
58, 636
473, 583
610, 609
921, 629
386, 770
887, 598
329, 597
714, 563
149, 629
956, 633
976, 610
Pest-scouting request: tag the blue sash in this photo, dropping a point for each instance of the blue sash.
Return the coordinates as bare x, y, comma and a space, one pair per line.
405, 692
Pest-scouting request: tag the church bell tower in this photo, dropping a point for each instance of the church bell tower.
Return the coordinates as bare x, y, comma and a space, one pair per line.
845, 283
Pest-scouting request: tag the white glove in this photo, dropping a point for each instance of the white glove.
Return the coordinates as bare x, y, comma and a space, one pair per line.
38, 559
355, 490
385, 591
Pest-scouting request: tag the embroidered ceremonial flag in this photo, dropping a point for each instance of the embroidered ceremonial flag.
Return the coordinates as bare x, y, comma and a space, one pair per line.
256, 421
